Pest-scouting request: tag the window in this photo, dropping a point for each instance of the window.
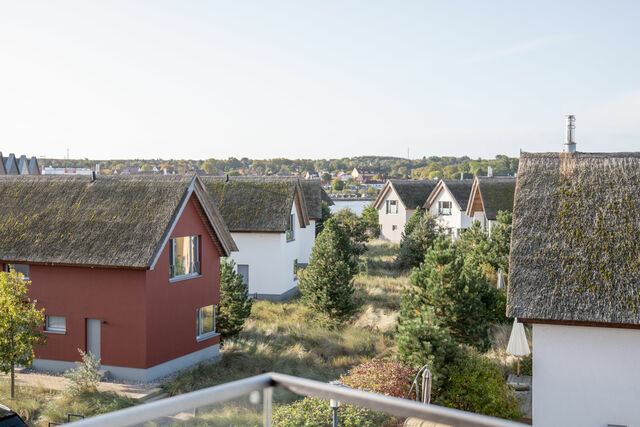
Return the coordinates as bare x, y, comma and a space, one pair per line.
184, 257
392, 206
243, 270
19, 268
56, 324
206, 322
444, 208
394, 227
291, 228
295, 269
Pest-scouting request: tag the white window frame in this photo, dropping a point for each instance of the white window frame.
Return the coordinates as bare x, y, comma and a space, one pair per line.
172, 251
49, 329
392, 203
245, 279
9, 266
394, 227
201, 336
445, 211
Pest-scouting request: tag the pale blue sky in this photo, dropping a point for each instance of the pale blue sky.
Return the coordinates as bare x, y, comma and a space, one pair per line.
303, 79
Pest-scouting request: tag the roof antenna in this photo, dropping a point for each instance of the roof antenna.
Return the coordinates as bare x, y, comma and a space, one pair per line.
227, 180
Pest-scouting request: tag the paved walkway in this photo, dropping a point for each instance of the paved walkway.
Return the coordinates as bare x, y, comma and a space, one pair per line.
57, 382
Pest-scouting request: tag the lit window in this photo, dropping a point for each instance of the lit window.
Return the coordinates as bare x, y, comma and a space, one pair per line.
243, 270
56, 324
291, 228
392, 206
444, 208
184, 258
205, 322
20, 269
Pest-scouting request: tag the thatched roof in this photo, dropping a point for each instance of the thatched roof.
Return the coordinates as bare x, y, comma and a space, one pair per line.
257, 204
413, 193
314, 194
460, 189
575, 249
495, 194
111, 222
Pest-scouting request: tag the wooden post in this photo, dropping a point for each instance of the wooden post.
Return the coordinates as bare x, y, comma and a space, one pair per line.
518, 366
13, 380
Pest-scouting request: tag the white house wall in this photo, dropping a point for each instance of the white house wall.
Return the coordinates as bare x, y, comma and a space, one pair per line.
271, 259
457, 221
387, 221
585, 376
307, 239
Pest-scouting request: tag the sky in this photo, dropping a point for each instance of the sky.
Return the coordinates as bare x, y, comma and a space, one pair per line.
316, 79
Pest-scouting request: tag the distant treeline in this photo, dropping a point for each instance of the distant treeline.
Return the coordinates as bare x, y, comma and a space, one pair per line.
426, 167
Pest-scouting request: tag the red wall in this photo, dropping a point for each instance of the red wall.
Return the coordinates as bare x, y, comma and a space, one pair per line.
149, 320
171, 312
78, 293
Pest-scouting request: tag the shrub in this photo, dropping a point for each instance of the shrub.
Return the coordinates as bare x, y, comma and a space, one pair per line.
327, 282
417, 240
384, 376
421, 341
85, 377
235, 304
475, 384
312, 411
371, 220
355, 228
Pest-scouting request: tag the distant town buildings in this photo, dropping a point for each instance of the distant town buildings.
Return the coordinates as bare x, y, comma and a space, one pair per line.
12, 165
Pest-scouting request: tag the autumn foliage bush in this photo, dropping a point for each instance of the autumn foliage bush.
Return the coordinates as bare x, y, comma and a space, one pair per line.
381, 376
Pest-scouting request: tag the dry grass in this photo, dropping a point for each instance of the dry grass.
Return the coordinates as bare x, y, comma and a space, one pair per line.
286, 337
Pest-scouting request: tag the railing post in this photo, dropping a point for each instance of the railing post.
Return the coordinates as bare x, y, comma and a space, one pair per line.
267, 405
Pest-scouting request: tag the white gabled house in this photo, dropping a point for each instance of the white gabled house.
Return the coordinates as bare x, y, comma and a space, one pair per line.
269, 221
448, 203
490, 195
574, 274
397, 201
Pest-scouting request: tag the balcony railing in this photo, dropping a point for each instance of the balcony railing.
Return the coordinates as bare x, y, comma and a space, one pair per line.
187, 408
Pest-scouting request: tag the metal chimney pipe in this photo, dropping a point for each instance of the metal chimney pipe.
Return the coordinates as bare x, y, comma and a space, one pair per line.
570, 144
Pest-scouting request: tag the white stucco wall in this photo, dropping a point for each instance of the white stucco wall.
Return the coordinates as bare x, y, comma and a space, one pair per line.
387, 221
585, 376
457, 221
307, 239
270, 257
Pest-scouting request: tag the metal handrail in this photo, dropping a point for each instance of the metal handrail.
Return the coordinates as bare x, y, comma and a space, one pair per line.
392, 405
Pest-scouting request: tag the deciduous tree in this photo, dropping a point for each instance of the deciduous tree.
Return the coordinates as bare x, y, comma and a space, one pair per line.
20, 322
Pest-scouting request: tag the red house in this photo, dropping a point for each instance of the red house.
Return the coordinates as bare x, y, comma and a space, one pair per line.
127, 268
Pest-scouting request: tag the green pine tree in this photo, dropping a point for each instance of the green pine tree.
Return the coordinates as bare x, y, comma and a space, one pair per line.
235, 304
457, 296
327, 282
423, 232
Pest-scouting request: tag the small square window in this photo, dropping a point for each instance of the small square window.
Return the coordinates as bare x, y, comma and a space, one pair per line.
394, 227
20, 269
205, 322
56, 324
444, 208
